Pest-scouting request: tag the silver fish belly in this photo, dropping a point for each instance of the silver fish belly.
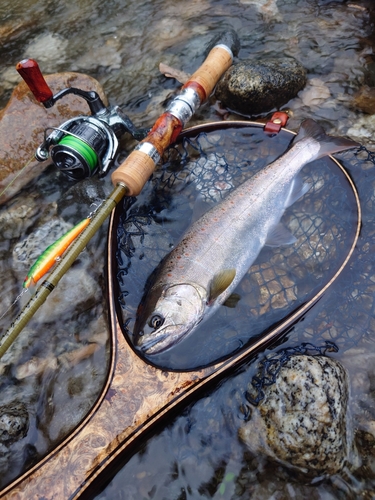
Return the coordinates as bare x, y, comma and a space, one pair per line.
216, 252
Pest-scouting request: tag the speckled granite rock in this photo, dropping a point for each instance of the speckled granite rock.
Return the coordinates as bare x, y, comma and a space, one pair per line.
250, 88
302, 421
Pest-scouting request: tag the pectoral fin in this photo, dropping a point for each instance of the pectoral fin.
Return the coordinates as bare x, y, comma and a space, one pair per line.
279, 236
219, 283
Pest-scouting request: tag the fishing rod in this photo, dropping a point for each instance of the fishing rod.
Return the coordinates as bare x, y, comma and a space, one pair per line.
81, 142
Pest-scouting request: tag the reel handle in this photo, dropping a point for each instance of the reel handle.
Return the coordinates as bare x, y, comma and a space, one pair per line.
138, 166
30, 72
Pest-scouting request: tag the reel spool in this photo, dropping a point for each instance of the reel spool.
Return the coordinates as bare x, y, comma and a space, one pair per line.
83, 146
80, 148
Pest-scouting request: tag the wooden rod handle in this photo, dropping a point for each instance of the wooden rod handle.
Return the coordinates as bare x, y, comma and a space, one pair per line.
139, 165
207, 76
134, 172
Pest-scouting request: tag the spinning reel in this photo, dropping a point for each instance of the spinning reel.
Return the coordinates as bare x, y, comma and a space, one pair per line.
81, 146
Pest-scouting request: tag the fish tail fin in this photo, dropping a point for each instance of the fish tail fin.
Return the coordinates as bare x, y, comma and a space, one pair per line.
328, 144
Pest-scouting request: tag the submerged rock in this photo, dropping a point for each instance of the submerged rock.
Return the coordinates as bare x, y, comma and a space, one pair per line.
363, 130
302, 420
364, 99
22, 125
14, 422
250, 88
266, 8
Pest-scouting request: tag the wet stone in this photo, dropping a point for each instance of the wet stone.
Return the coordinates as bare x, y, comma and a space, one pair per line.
250, 88
14, 422
302, 420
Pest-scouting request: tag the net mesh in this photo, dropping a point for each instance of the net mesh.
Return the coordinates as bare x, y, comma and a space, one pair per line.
270, 366
197, 173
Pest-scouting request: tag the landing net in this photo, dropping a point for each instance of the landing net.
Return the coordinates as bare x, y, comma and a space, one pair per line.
198, 172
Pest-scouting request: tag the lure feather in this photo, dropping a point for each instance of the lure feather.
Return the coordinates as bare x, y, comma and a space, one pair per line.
52, 253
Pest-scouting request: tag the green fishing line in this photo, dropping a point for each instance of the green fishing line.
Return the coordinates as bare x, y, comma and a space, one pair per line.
82, 148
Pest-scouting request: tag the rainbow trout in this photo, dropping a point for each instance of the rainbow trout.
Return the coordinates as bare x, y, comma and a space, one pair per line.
202, 271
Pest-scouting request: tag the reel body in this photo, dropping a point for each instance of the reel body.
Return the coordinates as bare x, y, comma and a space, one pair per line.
85, 145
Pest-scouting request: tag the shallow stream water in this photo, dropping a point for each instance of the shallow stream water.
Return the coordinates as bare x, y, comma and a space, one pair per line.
58, 363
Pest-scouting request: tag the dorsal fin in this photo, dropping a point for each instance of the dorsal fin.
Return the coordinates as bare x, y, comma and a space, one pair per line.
219, 283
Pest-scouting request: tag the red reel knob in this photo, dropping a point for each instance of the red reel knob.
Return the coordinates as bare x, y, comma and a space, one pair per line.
30, 72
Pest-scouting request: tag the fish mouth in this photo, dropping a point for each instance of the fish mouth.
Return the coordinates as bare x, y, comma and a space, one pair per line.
150, 343
161, 342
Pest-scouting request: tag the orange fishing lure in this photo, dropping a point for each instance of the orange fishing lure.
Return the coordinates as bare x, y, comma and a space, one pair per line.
52, 253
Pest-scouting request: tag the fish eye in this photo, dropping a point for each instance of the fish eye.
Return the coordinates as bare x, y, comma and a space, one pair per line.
156, 321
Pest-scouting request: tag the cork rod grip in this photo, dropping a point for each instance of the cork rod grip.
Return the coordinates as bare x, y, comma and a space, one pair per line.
134, 172
215, 64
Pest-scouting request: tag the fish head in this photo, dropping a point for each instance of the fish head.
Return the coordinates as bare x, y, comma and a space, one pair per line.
167, 315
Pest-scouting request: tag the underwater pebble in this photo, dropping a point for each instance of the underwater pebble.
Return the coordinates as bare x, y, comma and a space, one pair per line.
302, 420
77, 290
315, 93
363, 130
253, 87
37, 366
47, 58
364, 99
16, 219
9, 79
14, 422
21, 213
267, 8
107, 55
